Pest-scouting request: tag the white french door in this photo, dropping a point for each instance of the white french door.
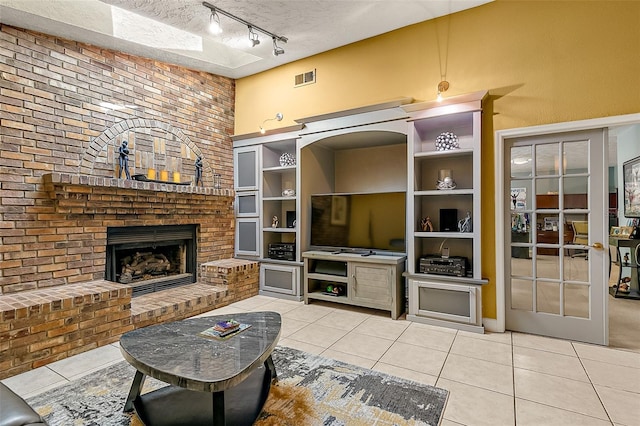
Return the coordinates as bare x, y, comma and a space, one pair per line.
555, 277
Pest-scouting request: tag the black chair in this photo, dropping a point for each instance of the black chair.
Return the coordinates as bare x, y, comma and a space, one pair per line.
580, 236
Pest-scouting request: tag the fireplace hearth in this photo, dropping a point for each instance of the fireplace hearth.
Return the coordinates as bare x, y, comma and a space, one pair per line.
151, 258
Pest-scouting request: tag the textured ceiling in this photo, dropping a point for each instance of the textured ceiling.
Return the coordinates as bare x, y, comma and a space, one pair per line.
176, 31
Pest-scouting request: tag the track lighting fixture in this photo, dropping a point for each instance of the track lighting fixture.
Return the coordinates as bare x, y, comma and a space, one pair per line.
278, 117
214, 23
253, 36
277, 50
443, 86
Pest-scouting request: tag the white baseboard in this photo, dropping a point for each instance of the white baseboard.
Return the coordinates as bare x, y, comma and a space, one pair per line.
491, 324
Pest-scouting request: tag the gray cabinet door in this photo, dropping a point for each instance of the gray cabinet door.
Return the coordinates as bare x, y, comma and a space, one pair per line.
371, 284
279, 279
247, 204
246, 169
247, 237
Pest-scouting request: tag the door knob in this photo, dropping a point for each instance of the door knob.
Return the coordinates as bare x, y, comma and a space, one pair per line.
597, 246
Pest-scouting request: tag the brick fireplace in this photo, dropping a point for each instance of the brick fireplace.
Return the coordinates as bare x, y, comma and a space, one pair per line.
120, 218
65, 109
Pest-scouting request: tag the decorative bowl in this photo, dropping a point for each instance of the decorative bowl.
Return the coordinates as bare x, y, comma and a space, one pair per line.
287, 159
447, 141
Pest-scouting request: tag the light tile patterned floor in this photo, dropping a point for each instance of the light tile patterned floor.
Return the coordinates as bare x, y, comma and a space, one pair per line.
494, 379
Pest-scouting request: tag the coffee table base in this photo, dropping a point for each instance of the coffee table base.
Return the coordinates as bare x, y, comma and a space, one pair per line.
241, 404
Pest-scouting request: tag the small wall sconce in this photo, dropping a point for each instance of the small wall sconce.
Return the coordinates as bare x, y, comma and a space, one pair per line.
278, 117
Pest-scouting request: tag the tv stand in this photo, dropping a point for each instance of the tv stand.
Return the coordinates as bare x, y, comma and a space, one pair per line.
368, 280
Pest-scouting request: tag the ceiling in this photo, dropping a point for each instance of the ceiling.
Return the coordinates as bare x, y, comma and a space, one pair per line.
176, 31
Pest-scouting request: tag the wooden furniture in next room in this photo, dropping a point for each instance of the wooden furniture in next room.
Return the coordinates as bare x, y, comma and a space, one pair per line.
628, 267
552, 237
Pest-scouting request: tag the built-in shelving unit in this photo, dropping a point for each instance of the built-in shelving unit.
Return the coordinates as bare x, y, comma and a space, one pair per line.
279, 196
444, 258
390, 148
268, 211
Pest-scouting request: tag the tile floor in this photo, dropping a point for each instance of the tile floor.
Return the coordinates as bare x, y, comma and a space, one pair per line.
493, 379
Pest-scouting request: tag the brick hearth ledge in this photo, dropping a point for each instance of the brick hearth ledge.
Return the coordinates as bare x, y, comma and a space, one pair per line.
41, 326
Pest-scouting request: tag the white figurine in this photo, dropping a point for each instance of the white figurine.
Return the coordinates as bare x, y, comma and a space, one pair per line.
464, 225
274, 222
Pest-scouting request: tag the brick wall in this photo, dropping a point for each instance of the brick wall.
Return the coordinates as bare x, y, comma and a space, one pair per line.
54, 120
241, 277
61, 322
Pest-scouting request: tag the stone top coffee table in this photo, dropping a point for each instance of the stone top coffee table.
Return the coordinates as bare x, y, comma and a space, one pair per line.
212, 381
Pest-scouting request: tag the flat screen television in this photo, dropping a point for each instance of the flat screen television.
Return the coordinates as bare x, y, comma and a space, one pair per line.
363, 221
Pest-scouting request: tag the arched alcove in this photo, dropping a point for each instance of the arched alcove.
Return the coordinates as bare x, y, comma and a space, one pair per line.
152, 144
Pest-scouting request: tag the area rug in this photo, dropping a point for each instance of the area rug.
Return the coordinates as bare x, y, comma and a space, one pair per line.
311, 390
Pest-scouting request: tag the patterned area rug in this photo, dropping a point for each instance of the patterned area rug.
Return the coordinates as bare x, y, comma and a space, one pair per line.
311, 390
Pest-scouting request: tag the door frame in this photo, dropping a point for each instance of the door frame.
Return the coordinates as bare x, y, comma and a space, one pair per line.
500, 191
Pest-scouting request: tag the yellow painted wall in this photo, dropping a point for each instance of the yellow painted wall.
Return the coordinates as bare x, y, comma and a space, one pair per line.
541, 61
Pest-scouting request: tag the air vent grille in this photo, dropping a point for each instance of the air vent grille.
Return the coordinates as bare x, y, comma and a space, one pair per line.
305, 78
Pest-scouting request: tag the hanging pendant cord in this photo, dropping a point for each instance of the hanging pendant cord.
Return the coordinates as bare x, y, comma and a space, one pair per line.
443, 66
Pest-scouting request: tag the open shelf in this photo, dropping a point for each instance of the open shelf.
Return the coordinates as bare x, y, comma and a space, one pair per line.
324, 277
279, 169
317, 295
452, 235
443, 193
632, 294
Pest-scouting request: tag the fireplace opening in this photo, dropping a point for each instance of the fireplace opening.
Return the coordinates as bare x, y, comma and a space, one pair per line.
145, 263
151, 258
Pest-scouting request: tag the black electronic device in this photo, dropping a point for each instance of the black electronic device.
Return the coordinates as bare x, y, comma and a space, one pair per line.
455, 265
329, 267
291, 219
282, 251
448, 220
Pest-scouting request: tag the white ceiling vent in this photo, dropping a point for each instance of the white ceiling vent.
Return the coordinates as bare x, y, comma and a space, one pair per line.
308, 77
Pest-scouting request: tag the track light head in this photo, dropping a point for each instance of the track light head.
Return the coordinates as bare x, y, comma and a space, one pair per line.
214, 23
277, 50
253, 37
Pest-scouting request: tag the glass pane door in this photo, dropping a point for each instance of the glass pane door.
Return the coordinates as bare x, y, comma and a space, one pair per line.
556, 280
